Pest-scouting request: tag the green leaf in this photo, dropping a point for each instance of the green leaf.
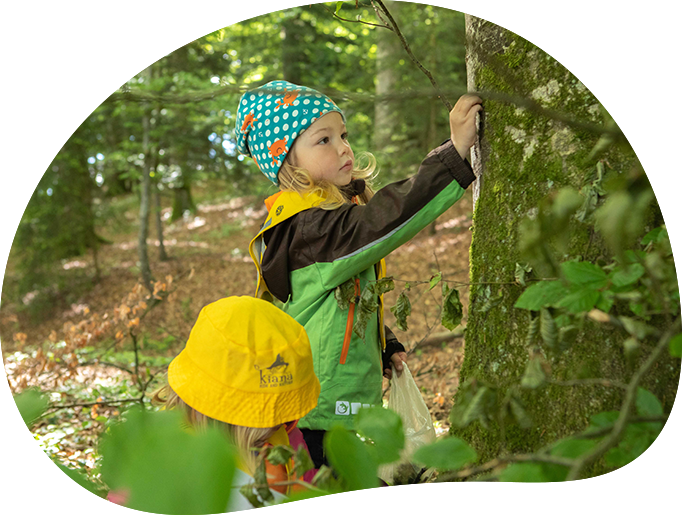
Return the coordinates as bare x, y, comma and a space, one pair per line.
452, 311
251, 496
647, 404
676, 346
385, 428
338, 7
279, 454
164, 468
384, 285
654, 235
525, 491
618, 457
548, 329
641, 500
584, 273
519, 413
402, 310
605, 301
603, 420
479, 408
344, 294
365, 309
621, 218
580, 299
16, 415
260, 478
35, 485
449, 453
302, 461
520, 273
624, 276
533, 329
572, 448
534, 376
541, 294
434, 281
351, 459
566, 203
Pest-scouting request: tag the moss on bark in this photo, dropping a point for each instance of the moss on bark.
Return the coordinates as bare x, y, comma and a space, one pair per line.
526, 156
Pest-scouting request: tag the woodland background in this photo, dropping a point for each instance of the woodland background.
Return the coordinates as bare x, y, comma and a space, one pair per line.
126, 209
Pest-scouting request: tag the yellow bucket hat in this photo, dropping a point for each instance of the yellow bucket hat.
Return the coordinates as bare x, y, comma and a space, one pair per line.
247, 363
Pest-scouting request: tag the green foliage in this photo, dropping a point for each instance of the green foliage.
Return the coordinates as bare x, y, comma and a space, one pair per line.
351, 459
534, 376
16, 415
452, 309
402, 310
384, 428
163, 468
447, 453
368, 303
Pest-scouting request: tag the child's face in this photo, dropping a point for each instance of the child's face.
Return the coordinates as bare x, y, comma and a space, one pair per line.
323, 150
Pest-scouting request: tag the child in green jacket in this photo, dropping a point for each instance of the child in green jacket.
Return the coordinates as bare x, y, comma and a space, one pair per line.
326, 227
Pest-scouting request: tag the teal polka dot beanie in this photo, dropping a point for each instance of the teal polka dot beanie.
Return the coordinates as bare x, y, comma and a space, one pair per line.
272, 116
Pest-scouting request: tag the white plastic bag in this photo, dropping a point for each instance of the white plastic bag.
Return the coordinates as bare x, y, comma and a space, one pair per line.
406, 400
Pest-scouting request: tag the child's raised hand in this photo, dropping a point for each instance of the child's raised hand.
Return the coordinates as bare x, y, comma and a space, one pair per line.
463, 123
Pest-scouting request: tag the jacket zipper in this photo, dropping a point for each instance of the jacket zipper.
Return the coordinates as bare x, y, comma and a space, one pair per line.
349, 323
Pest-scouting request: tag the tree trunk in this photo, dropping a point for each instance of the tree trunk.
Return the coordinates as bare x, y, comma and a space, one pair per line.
71, 164
159, 224
293, 58
182, 190
524, 156
142, 253
385, 112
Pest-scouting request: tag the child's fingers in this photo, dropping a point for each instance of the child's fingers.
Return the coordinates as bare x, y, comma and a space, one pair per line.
466, 102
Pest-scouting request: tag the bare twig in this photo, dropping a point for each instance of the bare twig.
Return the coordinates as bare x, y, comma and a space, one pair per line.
392, 25
94, 403
502, 461
358, 20
606, 430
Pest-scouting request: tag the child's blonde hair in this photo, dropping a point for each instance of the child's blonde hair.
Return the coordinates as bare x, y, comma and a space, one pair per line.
245, 439
293, 178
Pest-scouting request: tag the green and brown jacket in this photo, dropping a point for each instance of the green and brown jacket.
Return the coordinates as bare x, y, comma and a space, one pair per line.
304, 252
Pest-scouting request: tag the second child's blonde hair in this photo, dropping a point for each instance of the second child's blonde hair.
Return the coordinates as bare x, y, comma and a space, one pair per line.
245, 439
293, 178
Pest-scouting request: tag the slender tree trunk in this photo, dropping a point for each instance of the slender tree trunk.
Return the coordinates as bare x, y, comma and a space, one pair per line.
524, 156
292, 41
142, 253
385, 112
182, 191
159, 224
71, 165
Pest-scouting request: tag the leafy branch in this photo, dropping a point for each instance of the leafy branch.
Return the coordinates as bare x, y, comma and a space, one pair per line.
619, 427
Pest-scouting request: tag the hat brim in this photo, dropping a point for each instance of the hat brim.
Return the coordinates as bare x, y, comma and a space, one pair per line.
221, 402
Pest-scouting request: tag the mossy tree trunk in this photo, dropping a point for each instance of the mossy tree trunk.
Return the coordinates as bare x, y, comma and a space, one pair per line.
524, 155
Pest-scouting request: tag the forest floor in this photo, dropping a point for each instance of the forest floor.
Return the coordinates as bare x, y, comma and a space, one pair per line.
209, 260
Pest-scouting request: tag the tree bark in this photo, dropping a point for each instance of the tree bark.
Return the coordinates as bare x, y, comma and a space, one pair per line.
142, 253
523, 157
385, 112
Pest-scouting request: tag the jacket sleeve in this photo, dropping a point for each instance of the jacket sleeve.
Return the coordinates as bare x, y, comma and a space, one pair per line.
345, 241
